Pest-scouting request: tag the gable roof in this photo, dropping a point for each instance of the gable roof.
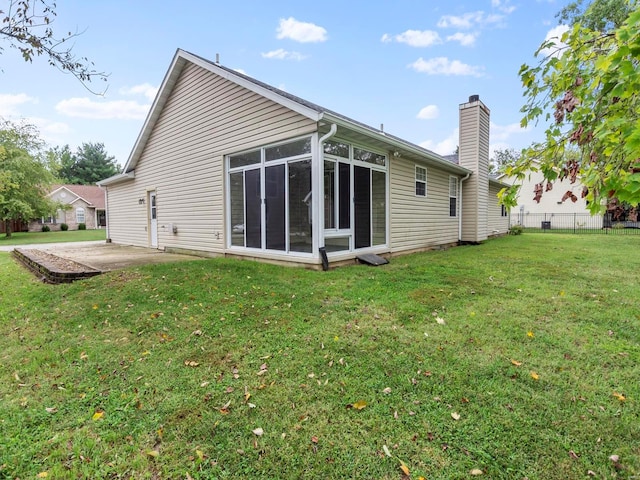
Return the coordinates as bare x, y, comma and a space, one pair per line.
90, 194
305, 108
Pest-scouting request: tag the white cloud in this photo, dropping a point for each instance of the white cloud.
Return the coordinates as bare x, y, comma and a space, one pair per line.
429, 112
555, 35
444, 66
282, 54
303, 32
444, 147
9, 102
414, 38
503, 6
465, 39
502, 133
87, 108
145, 89
469, 20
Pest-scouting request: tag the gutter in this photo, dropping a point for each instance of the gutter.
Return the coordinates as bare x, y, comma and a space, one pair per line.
323, 253
466, 177
396, 142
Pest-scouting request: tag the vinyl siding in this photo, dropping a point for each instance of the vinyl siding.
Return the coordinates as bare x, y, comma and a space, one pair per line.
496, 223
205, 118
419, 222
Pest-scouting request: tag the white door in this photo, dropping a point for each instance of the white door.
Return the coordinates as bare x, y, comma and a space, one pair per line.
153, 220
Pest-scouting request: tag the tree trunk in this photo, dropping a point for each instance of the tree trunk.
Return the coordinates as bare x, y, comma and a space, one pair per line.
7, 228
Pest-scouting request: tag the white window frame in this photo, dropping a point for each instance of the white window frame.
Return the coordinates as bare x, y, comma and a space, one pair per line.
262, 165
453, 193
81, 216
420, 181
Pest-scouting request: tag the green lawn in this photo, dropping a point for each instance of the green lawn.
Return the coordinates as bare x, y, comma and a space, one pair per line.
24, 238
517, 358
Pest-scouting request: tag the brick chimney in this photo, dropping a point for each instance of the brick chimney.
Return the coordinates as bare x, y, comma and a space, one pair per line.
474, 154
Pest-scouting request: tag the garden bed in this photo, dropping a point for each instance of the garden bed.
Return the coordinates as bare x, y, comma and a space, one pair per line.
52, 268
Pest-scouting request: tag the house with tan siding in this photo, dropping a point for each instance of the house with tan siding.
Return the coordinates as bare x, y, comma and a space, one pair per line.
228, 165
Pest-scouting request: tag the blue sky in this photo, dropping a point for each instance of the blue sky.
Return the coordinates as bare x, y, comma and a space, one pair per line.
406, 64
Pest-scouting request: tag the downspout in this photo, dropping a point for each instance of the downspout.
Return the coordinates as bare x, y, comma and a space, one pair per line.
106, 209
332, 131
323, 252
460, 206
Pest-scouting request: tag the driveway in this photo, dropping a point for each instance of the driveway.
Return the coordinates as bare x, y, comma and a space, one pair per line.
107, 256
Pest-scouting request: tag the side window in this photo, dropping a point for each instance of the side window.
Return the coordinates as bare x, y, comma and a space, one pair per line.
421, 181
453, 196
80, 218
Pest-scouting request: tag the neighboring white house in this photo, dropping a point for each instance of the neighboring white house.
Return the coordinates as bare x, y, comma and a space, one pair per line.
228, 165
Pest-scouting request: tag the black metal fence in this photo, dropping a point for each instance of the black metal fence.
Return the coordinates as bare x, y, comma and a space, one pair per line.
582, 223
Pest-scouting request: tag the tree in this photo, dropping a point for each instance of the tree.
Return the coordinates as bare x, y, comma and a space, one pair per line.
27, 26
588, 90
503, 158
599, 15
23, 177
88, 165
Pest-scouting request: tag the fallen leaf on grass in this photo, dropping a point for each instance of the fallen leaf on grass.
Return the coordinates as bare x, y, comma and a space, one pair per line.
404, 469
224, 410
535, 376
386, 390
314, 439
98, 415
614, 458
191, 363
43, 475
440, 320
619, 396
573, 454
476, 472
153, 453
515, 362
455, 415
386, 450
200, 454
51, 409
258, 431
359, 405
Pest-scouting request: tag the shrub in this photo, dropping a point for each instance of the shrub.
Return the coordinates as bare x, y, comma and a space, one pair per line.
82, 226
516, 230
64, 227
45, 228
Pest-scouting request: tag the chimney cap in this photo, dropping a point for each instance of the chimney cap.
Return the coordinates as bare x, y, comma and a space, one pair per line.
474, 98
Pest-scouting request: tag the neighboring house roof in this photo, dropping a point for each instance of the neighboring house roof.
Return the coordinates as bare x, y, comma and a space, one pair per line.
90, 194
308, 109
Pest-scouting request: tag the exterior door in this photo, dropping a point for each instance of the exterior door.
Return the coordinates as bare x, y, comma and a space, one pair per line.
153, 220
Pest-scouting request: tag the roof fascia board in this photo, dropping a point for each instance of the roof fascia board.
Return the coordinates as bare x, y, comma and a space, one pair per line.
395, 142
61, 187
169, 80
260, 90
179, 60
117, 178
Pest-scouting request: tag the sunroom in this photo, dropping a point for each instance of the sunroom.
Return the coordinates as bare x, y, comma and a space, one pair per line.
271, 206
